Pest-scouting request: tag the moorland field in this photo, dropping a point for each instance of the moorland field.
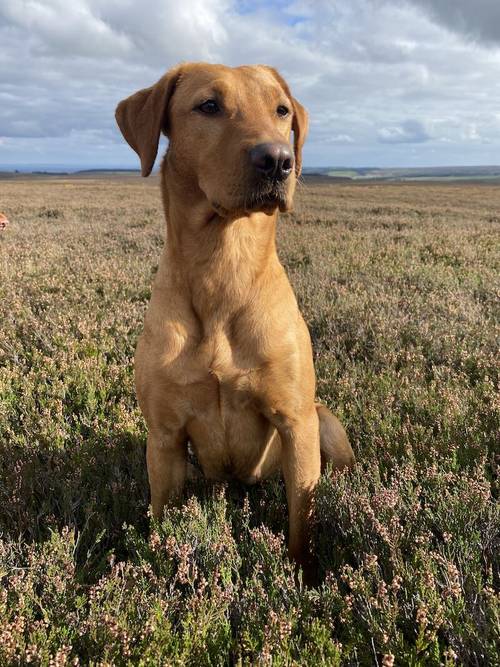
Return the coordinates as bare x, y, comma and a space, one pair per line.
399, 284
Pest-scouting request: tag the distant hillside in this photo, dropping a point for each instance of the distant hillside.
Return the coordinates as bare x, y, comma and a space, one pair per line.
482, 173
79, 173
489, 173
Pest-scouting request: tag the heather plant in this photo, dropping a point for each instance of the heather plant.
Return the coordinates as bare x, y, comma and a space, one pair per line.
399, 285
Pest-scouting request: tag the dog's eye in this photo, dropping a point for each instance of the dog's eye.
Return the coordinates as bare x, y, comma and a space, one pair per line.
282, 110
208, 107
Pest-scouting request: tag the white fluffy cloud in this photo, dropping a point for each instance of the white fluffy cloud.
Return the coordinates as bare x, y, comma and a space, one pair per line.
386, 82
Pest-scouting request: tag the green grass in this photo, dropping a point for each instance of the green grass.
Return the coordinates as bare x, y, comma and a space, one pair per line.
399, 285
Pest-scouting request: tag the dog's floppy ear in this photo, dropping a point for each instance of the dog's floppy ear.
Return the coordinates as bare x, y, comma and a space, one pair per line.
142, 116
300, 121
300, 125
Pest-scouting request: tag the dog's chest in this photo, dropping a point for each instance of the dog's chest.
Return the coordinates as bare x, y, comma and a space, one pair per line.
232, 372
226, 427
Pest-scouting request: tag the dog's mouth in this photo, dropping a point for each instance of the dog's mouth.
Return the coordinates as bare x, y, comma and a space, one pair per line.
219, 210
265, 197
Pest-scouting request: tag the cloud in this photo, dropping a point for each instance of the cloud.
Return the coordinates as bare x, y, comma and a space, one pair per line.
62, 27
476, 19
340, 139
408, 132
374, 74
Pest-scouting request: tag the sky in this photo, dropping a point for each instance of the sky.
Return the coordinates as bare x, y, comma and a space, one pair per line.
386, 82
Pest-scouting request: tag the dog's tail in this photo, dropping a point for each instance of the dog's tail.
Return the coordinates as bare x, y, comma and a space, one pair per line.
334, 443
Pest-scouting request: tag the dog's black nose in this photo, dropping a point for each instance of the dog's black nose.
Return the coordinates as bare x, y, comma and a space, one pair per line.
274, 161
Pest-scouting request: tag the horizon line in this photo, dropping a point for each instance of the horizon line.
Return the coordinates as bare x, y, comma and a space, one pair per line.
45, 167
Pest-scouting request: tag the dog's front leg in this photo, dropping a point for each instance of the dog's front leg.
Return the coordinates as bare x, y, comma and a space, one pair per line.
301, 465
166, 457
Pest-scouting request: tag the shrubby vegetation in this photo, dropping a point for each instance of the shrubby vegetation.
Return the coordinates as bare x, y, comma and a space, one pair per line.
399, 286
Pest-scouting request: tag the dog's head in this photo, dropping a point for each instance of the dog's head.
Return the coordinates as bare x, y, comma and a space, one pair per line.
229, 133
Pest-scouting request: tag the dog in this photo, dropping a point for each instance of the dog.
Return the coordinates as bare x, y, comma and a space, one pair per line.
225, 359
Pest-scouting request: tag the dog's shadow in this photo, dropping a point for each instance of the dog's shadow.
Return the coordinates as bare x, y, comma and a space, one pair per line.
94, 485
98, 485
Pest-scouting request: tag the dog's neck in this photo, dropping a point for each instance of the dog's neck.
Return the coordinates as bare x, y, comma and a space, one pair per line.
216, 263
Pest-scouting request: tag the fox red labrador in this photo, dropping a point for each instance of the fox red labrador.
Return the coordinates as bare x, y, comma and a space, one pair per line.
225, 359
